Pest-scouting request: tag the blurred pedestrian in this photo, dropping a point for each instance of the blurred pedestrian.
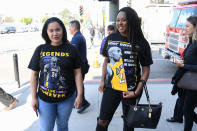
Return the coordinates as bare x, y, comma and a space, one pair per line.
125, 52
7, 99
55, 71
189, 63
110, 30
78, 40
92, 34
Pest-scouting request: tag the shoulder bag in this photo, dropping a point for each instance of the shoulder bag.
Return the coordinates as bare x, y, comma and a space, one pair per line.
188, 81
144, 115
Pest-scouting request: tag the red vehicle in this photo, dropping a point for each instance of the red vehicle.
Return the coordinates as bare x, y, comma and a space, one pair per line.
175, 43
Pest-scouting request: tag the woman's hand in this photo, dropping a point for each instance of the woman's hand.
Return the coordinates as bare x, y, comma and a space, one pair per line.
104, 70
78, 102
33, 85
101, 87
129, 94
178, 63
34, 104
79, 84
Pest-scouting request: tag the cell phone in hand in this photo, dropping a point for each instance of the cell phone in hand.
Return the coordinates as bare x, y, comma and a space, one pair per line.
36, 111
180, 61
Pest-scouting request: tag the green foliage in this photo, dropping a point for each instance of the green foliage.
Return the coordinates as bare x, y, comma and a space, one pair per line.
21, 20
65, 13
65, 16
26, 20
44, 19
65, 21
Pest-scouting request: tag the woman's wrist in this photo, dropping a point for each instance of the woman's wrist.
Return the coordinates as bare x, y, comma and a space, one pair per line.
143, 82
134, 93
79, 94
34, 97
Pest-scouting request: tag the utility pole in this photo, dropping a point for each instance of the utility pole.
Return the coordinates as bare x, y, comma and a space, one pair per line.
113, 11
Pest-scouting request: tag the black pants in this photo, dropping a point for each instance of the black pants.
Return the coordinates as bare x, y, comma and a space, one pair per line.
110, 101
6, 98
190, 102
178, 110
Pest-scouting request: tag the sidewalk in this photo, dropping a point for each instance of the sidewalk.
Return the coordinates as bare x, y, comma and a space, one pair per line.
22, 117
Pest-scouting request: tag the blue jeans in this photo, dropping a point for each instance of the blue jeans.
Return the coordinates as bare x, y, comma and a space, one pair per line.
59, 112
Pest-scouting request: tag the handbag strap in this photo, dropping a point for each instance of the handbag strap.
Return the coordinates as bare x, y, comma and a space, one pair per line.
147, 97
146, 92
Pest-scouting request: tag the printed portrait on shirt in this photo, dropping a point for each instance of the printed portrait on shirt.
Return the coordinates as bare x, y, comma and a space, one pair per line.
52, 75
115, 76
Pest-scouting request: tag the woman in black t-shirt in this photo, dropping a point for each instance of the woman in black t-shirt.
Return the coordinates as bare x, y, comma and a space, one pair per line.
125, 52
55, 76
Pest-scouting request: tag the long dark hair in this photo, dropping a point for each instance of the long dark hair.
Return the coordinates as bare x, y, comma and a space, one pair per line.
193, 21
134, 31
44, 30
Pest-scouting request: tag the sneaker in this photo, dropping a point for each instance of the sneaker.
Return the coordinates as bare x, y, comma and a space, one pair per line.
11, 106
82, 108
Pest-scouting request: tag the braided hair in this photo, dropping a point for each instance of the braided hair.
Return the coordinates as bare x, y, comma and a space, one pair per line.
134, 31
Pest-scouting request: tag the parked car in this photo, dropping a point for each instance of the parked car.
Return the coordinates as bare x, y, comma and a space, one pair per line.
3, 29
21, 29
11, 29
34, 28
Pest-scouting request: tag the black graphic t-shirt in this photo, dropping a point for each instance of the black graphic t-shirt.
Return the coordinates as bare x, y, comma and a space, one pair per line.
56, 65
123, 69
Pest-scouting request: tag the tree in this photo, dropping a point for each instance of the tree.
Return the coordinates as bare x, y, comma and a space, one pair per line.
22, 20
44, 19
65, 21
65, 13
9, 19
26, 20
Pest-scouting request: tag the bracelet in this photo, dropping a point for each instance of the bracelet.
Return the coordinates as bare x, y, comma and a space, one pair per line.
143, 82
134, 93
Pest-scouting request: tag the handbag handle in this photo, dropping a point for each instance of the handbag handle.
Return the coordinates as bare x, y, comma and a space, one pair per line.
147, 97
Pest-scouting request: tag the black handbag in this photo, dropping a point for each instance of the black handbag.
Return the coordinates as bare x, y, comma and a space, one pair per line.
144, 115
188, 81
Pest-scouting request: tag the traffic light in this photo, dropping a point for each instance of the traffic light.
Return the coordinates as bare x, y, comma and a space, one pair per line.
81, 10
